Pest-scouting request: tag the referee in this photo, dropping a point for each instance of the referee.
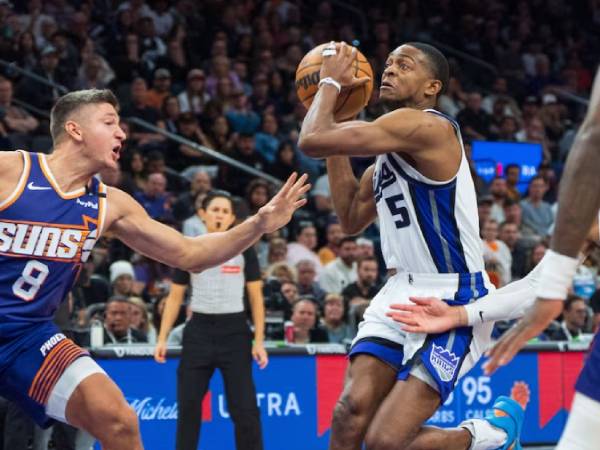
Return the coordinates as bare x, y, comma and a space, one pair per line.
218, 336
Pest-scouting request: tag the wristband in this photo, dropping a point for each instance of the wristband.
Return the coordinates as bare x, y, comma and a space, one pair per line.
557, 276
332, 82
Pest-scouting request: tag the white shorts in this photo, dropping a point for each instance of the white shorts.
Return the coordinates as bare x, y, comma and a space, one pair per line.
79, 370
440, 359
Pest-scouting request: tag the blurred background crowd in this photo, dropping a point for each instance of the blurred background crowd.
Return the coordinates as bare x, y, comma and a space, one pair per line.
221, 75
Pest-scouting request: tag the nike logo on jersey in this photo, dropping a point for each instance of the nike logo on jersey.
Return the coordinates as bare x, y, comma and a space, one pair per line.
88, 204
481, 316
33, 187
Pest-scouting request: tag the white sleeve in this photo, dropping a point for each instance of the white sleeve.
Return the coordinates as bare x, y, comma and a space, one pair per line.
507, 303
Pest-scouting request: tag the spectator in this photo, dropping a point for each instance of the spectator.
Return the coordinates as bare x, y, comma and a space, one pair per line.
241, 117
154, 198
27, 51
341, 271
304, 318
484, 208
508, 128
17, 122
509, 234
474, 121
334, 320
161, 88
41, 95
307, 284
364, 248
267, 140
187, 159
454, 99
89, 288
219, 136
498, 190
574, 318
500, 92
185, 206
512, 173
122, 279
285, 162
496, 254
277, 251
258, 194
170, 113
330, 250
537, 214
194, 97
537, 253
304, 247
138, 108
155, 163
94, 73
117, 323
140, 319
234, 179
365, 287
152, 47
220, 68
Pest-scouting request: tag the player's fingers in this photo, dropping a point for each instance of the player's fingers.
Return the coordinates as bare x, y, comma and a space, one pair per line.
422, 301
402, 317
300, 203
298, 185
413, 329
405, 307
357, 82
288, 184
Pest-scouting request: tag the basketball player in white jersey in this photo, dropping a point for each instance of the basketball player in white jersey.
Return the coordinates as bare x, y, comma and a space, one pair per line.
421, 189
579, 201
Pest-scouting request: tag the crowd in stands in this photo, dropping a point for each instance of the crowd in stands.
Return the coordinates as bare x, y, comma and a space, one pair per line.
221, 75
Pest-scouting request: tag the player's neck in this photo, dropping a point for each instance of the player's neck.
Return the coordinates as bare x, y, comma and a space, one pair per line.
70, 173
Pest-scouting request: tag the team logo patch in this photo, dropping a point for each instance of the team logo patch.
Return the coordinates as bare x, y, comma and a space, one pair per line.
444, 361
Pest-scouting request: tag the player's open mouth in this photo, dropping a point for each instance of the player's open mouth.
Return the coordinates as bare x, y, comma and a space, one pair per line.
386, 84
116, 151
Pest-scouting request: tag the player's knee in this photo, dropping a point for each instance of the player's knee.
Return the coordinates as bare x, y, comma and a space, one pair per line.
349, 408
121, 421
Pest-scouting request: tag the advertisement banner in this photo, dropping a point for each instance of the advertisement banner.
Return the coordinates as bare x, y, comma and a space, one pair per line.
297, 393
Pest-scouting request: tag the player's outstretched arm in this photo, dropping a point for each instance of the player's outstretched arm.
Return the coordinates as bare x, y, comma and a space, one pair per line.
579, 201
130, 222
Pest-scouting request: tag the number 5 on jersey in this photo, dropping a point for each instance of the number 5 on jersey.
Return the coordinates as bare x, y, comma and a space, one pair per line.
31, 280
400, 213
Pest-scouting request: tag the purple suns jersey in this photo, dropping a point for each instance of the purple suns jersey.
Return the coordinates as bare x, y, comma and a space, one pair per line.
45, 237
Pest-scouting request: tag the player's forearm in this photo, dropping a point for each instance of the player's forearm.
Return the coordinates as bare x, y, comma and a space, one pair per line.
579, 198
212, 249
320, 117
344, 187
507, 303
170, 313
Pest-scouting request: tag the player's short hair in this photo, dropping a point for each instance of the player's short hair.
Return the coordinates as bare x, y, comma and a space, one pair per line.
69, 103
438, 64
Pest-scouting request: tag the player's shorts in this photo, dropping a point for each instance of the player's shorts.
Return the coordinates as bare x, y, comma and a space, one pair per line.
437, 359
588, 382
33, 371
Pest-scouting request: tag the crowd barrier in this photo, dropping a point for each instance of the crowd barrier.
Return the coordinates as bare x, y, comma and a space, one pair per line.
297, 392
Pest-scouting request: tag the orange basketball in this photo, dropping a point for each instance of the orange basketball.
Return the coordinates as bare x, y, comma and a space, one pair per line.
351, 101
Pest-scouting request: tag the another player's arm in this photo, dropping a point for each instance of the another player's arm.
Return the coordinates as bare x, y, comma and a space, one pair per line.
169, 316
352, 199
579, 201
130, 223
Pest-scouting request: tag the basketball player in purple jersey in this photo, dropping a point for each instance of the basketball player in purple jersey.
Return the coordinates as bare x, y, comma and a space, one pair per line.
52, 211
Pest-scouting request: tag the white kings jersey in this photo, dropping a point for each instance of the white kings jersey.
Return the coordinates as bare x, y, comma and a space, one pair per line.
427, 226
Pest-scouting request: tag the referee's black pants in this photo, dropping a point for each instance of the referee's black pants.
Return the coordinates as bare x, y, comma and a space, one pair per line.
224, 342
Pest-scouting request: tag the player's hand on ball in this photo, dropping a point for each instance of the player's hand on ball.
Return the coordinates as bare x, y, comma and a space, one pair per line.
425, 315
279, 210
531, 325
338, 62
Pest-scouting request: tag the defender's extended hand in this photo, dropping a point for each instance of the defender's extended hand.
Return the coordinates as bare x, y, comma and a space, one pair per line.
279, 210
339, 65
531, 325
427, 315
